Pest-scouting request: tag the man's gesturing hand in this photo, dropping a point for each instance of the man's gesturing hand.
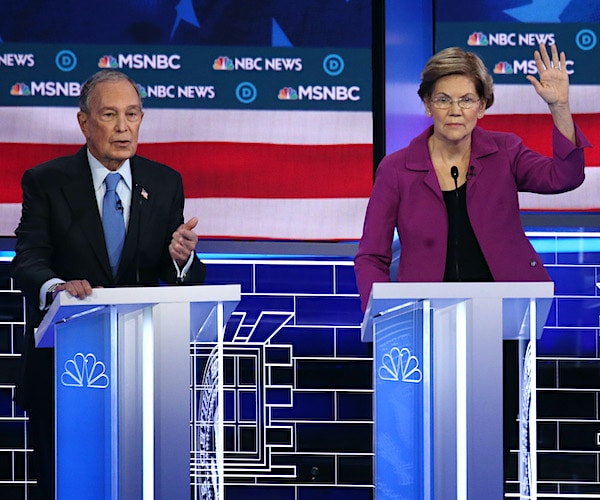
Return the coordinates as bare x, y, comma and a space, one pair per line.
184, 242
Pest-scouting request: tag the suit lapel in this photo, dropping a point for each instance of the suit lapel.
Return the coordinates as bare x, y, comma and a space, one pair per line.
129, 257
418, 159
484, 149
81, 199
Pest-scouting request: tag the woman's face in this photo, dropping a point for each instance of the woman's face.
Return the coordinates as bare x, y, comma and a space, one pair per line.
455, 108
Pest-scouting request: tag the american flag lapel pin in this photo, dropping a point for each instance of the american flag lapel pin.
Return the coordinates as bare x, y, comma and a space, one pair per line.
144, 194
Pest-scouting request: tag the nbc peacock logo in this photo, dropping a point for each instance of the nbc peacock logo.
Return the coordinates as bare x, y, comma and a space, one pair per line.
108, 62
142, 89
477, 39
399, 365
20, 89
503, 68
287, 94
223, 63
84, 370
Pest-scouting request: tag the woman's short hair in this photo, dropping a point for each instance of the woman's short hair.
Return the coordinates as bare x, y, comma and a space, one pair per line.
456, 61
104, 75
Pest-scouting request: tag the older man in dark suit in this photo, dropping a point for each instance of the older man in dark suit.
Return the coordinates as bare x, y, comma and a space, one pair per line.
64, 238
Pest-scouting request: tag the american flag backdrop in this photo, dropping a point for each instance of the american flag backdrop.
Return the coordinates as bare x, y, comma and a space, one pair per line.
247, 174
274, 173
281, 174
285, 171
518, 109
505, 34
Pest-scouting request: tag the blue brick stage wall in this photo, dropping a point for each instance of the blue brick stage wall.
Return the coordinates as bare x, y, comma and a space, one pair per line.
310, 436
308, 314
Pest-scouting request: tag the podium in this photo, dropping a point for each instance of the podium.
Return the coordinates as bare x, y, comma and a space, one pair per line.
438, 360
123, 394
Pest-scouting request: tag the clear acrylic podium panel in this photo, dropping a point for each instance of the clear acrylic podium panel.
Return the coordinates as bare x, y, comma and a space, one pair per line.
123, 397
438, 389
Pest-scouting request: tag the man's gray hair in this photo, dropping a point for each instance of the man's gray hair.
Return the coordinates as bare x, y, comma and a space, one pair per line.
104, 75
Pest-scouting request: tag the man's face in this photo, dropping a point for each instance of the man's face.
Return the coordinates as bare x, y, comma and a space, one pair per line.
113, 122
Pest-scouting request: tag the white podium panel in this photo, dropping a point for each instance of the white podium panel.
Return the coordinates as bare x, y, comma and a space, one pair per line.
123, 389
438, 381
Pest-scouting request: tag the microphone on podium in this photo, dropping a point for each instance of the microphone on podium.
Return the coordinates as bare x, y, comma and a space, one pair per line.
454, 174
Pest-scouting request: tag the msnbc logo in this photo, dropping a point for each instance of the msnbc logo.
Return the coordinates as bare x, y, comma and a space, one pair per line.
20, 89
477, 39
223, 63
287, 94
108, 62
141, 61
503, 68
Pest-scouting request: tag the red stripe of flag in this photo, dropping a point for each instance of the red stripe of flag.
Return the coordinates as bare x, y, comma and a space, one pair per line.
237, 170
229, 170
536, 131
251, 170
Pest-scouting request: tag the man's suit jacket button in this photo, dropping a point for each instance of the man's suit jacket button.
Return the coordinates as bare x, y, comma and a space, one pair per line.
532, 263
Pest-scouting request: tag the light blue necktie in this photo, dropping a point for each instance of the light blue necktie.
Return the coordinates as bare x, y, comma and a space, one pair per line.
112, 220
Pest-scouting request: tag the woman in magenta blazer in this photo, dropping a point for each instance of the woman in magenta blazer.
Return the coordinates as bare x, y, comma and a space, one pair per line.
452, 194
